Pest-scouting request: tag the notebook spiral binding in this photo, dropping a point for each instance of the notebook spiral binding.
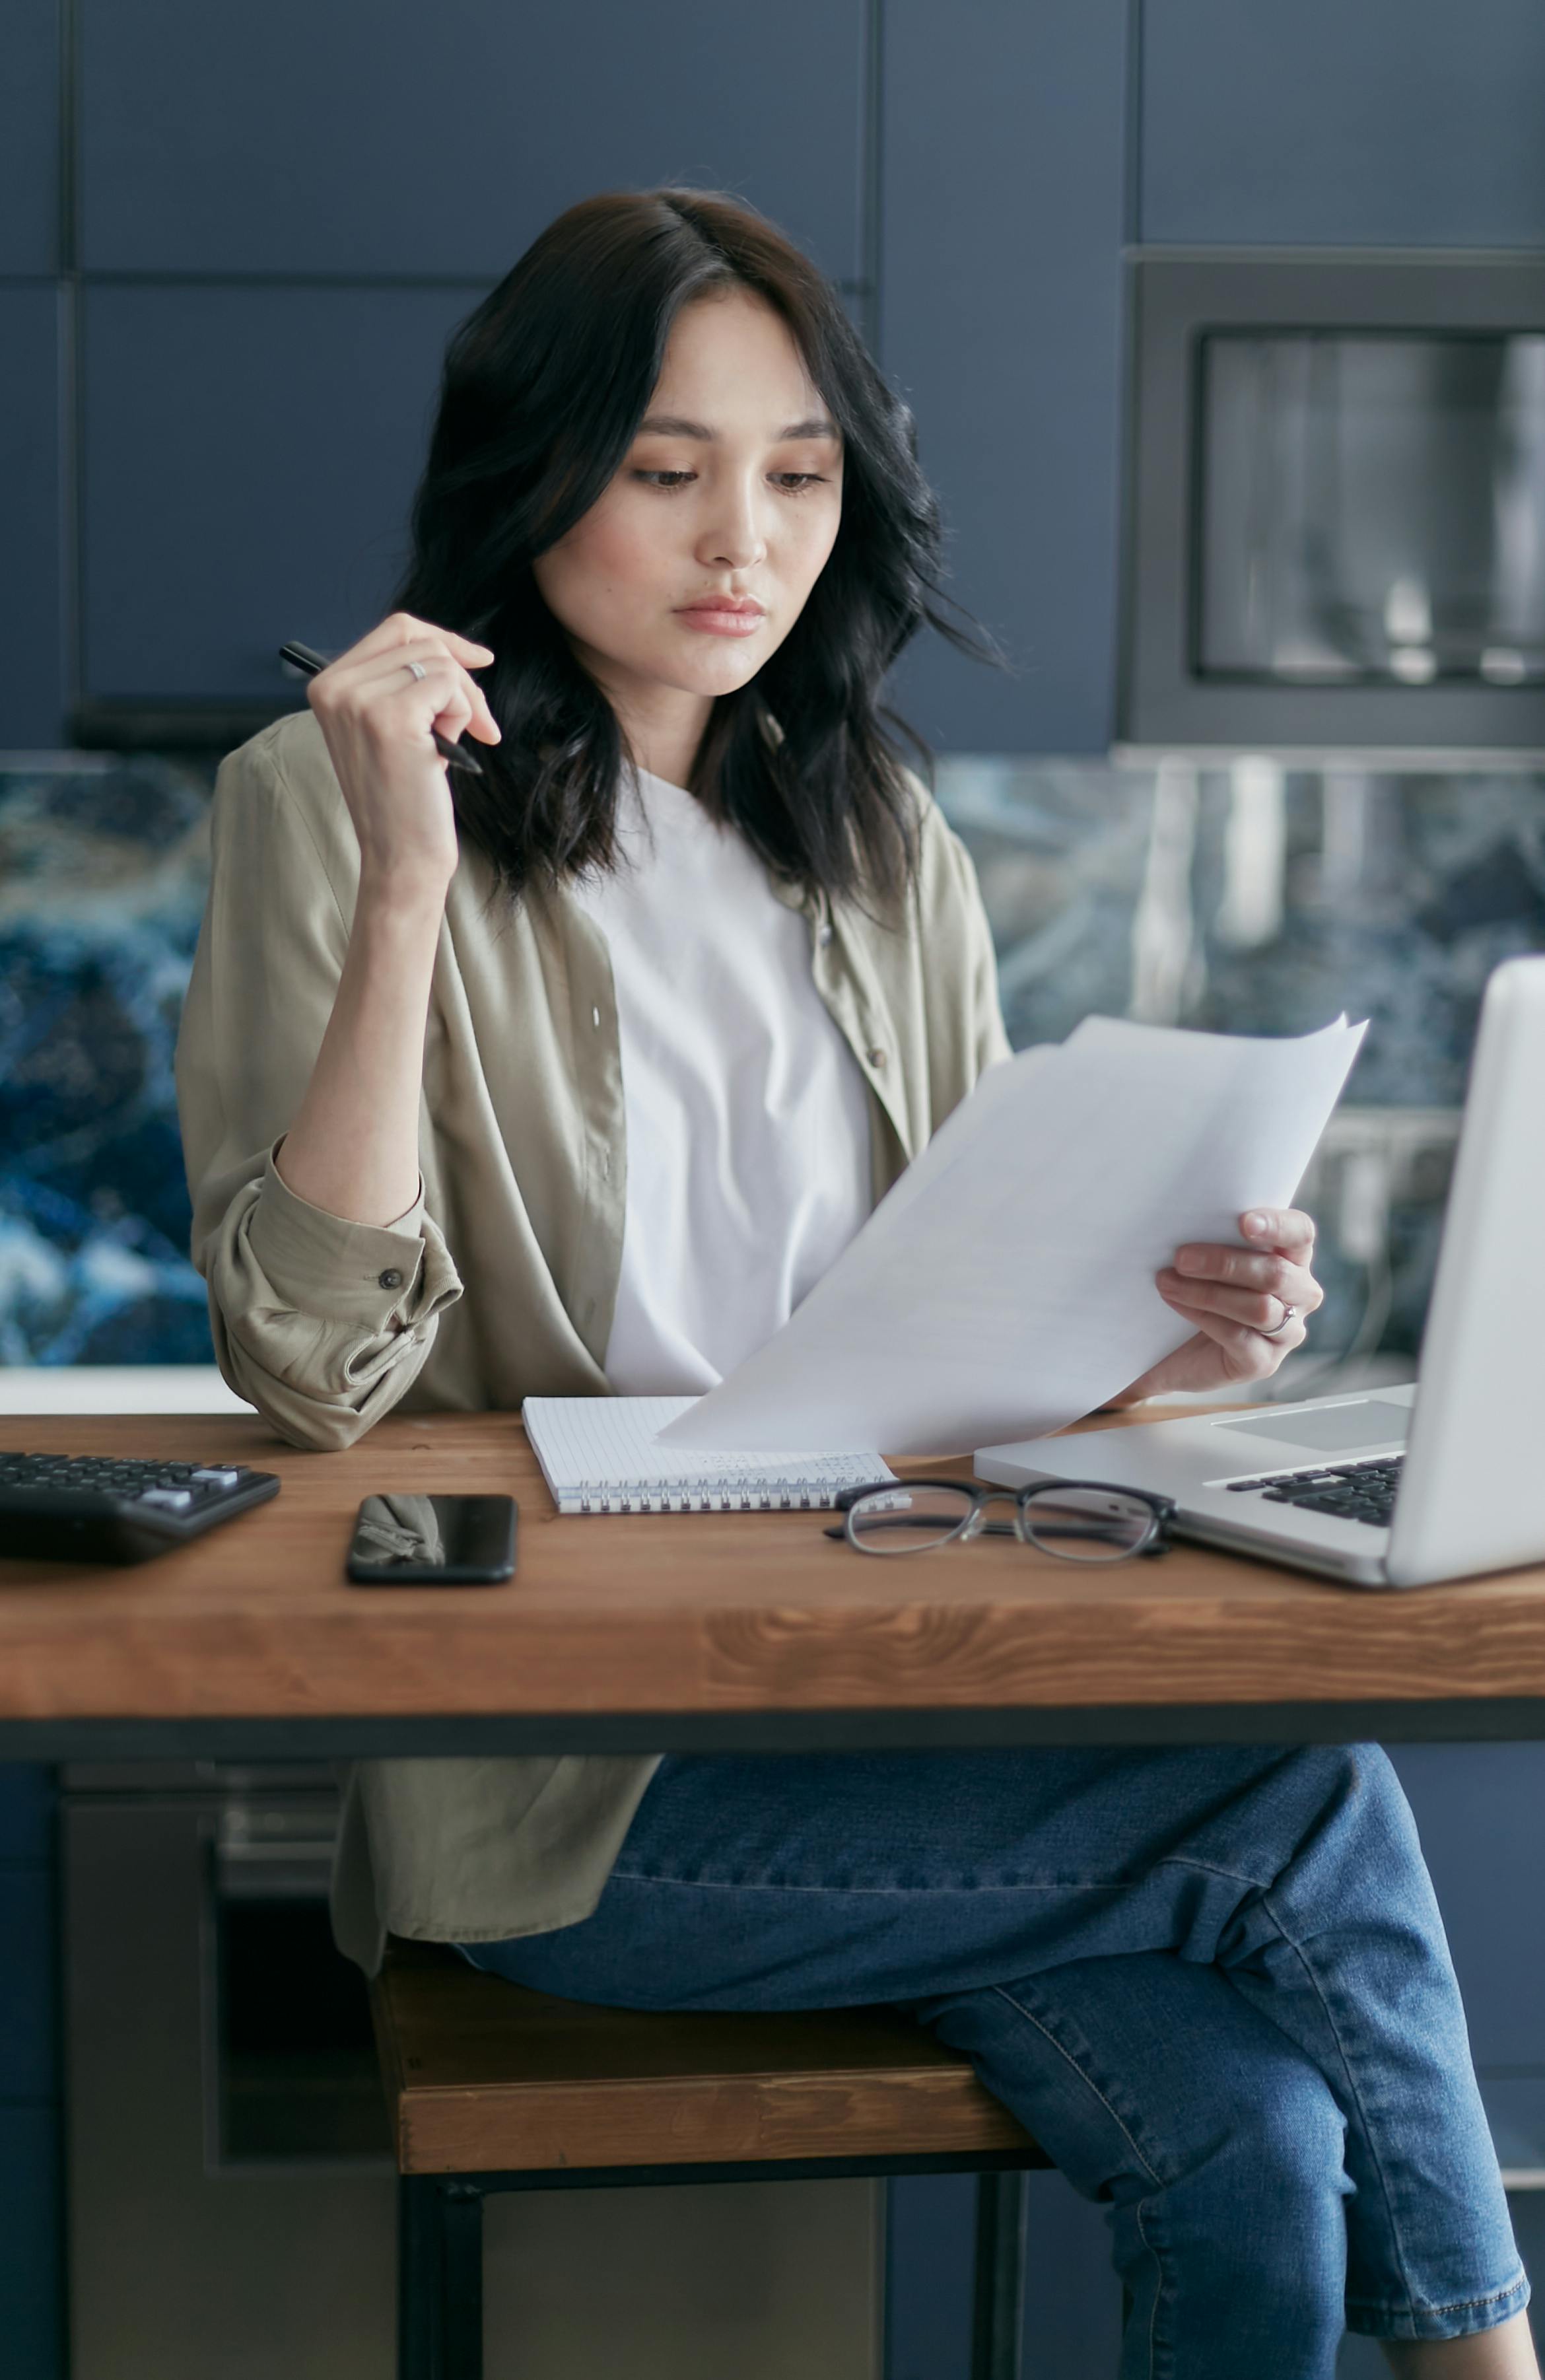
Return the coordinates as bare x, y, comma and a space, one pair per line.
636, 1496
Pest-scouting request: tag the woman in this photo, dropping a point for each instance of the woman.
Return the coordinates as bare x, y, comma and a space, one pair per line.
626, 1044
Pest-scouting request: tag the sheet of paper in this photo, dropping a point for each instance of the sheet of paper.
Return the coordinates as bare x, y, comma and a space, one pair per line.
1005, 1285
614, 1442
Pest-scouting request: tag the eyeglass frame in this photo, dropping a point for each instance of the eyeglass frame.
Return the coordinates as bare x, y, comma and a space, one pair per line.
1158, 1540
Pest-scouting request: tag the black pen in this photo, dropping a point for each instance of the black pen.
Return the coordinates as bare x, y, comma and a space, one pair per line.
457, 754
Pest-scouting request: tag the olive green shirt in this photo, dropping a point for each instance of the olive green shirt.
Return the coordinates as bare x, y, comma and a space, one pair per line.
325, 1324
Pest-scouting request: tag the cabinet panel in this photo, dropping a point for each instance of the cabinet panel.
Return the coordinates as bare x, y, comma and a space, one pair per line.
1396, 122
28, 2055
1003, 152
27, 1811
32, 2288
29, 140
251, 456
1477, 1811
372, 137
31, 318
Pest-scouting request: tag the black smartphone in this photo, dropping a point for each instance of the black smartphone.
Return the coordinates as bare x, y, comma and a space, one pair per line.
433, 1541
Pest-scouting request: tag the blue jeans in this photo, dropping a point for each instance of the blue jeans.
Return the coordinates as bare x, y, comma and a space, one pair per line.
1213, 1983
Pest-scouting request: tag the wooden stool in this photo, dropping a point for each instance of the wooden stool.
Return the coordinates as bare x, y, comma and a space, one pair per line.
492, 2087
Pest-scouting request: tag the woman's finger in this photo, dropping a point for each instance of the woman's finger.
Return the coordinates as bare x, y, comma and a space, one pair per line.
1279, 1227
1258, 1309
401, 628
413, 676
1247, 1354
1281, 1270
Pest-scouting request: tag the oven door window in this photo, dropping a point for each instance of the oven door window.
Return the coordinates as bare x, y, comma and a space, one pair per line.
293, 2059
1370, 509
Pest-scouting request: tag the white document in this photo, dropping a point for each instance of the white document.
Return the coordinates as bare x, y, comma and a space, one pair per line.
1006, 1284
601, 1454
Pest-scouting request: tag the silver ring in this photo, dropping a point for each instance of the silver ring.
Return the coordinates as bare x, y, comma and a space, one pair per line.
1289, 1314
416, 669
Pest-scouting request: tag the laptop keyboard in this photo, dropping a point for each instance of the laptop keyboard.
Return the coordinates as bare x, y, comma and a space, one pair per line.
1352, 1491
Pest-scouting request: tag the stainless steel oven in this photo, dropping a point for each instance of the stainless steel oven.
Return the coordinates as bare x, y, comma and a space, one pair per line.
232, 2199
1335, 519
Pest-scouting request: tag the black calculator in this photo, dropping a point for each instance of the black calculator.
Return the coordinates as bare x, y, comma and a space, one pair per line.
118, 1508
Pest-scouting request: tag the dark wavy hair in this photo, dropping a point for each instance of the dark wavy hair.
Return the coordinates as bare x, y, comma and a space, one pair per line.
544, 388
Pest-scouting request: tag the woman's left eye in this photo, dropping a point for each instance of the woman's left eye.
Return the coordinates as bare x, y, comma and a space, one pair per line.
793, 481
664, 478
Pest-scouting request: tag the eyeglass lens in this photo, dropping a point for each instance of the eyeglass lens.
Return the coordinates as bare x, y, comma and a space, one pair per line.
1082, 1525
1086, 1524
909, 1520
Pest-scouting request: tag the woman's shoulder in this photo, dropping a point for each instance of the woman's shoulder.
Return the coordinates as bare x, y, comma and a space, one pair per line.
281, 784
944, 876
287, 758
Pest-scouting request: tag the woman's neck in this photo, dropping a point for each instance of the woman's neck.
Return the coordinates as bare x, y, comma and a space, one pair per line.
663, 725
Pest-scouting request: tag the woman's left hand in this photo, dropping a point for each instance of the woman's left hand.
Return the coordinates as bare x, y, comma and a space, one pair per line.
1239, 1299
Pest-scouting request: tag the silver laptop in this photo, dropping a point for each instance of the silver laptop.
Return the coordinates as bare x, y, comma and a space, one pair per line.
1395, 1486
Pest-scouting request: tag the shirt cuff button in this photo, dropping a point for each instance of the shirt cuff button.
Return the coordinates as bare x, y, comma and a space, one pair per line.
391, 1279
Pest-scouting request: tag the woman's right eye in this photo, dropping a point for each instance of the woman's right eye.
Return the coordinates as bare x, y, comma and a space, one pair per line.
664, 478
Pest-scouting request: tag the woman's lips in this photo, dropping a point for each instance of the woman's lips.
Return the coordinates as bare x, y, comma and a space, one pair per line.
723, 616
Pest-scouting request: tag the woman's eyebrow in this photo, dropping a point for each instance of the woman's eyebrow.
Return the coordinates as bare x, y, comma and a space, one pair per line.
675, 425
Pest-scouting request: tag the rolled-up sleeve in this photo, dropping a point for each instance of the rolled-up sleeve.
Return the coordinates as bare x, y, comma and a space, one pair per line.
322, 1323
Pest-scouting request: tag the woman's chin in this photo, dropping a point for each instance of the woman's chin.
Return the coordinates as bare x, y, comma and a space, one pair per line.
712, 673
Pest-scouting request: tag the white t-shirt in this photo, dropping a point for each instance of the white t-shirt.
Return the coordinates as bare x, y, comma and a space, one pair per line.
747, 1116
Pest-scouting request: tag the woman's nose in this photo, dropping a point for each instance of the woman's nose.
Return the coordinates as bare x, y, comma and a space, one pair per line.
734, 539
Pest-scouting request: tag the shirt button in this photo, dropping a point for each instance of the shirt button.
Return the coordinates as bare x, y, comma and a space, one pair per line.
875, 1057
825, 934
389, 1279
596, 1018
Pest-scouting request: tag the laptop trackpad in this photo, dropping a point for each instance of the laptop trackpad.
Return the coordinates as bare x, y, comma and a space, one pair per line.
1332, 1429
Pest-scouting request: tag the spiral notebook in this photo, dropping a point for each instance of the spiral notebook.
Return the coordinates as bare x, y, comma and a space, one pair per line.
598, 1455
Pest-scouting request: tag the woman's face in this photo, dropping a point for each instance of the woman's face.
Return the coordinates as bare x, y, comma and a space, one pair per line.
694, 564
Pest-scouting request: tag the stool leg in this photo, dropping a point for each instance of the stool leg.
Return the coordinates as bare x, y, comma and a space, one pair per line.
420, 2261
462, 2281
998, 2317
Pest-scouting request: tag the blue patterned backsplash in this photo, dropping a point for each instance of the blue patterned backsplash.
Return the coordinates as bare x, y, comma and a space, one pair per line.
103, 872
1244, 900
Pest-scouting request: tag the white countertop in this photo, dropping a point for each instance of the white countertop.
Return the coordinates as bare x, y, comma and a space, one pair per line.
115, 1388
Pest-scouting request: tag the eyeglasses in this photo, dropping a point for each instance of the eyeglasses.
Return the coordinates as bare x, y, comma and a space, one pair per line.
1079, 1521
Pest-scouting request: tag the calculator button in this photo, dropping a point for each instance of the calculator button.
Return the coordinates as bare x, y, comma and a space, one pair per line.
212, 1478
170, 1499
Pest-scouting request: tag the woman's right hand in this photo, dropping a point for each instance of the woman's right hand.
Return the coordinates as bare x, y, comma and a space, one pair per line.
377, 718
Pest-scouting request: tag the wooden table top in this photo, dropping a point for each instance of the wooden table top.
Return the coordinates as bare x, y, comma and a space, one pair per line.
716, 1617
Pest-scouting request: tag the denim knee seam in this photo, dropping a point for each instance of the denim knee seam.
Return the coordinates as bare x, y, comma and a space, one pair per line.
1158, 2293
1354, 2094
1088, 2081
1084, 2076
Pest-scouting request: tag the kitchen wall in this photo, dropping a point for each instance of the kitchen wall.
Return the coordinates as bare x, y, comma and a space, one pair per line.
1251, 899
231, 246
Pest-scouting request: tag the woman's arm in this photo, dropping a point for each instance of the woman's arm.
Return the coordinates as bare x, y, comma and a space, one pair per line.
353, 1147
303, 1032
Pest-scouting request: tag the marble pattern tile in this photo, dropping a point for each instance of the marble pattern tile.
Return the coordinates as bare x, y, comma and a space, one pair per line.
1238, 900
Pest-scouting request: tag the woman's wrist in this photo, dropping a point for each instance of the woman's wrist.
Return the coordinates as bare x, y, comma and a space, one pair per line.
411, 896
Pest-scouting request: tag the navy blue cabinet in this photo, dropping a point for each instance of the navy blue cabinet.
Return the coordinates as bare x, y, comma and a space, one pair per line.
31, 2281
32, 516
29, 195
1406, 123
1004, 142
251, 456
1478, 1808
377, 137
